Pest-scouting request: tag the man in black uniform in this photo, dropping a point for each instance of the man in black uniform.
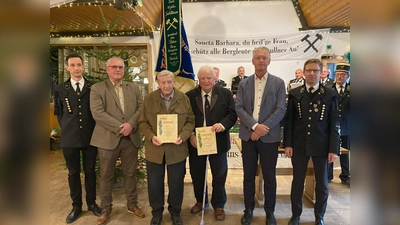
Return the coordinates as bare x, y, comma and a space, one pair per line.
71, 105
299, 79
325, 80
343, 94
311, 130
236, 80
218, 82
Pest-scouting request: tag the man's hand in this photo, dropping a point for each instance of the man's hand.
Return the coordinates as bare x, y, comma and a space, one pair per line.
217, 128
254, 136
331, 157
193, 140
156, 141
261, 129
126, 129
289, 152
178, 141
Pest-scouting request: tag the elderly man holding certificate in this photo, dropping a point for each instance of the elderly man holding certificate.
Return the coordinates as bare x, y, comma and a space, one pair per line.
166, 121
214, 109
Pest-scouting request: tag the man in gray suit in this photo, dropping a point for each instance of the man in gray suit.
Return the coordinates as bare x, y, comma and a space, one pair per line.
115, 106
260, 105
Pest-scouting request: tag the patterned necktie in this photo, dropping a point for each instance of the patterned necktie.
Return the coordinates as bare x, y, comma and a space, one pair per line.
310, 90
207, 110
78, 90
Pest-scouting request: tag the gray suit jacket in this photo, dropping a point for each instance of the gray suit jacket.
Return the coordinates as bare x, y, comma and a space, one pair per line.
107, 112
272, 109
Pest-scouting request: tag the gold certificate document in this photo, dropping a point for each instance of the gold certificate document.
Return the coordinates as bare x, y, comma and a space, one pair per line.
206, 141
167, 127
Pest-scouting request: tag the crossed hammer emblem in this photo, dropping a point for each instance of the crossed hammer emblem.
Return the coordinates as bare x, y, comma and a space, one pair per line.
171, 24
311, 45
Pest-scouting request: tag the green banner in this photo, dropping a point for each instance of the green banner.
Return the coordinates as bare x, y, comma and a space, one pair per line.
172, 34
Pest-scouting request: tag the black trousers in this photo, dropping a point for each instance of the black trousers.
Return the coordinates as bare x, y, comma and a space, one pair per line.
300, 163
73, 160
344, 161
219, 171
155, 184
268, 153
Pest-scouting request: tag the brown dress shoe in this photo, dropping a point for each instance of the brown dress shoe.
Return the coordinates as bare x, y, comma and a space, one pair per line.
196, 208
219, 213
136, 211
103, 217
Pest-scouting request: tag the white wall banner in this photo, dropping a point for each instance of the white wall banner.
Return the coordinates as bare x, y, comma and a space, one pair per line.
295, 46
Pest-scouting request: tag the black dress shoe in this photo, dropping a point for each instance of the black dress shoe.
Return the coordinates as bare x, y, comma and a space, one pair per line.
319, 221
346, 183
73, 215
95, 209
156, 220
294, 220
176, 220
247, 217
270, 219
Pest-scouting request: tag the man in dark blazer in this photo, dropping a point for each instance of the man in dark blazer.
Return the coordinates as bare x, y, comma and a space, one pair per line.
343, 95
311, 130
325, 80
72, 107
236, 80
222, 117
260, 105
115, 106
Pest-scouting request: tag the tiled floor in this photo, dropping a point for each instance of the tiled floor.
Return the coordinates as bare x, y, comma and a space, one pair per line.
338, 211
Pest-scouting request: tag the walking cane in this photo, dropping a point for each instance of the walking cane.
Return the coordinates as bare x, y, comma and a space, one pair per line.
204, 193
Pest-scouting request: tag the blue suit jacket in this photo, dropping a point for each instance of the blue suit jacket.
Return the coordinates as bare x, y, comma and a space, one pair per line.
272, 109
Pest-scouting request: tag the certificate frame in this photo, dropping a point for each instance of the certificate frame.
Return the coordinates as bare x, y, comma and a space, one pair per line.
206, 141
167, 127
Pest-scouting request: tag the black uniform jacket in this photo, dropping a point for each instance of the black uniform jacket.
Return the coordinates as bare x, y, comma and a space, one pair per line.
235, 83
73, 114
311, 125
344, 110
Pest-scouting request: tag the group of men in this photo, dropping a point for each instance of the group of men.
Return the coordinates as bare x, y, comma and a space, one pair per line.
107, 119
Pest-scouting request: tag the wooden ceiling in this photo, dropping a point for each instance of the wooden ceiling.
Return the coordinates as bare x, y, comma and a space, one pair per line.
83, 17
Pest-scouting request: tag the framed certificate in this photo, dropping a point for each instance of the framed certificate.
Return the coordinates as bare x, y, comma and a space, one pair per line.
167, 127
206, 141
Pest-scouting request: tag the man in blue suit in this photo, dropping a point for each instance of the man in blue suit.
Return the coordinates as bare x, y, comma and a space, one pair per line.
260, 105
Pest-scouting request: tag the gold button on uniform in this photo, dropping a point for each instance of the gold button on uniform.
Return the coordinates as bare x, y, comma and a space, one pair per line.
308, 133
309, 118
308, 125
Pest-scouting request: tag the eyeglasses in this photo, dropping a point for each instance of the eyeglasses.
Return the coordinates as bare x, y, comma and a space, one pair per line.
117, 67
310, 70
341, 74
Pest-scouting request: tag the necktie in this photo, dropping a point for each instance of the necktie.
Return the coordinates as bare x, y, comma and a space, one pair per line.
310, 90
78, 90
341, 90
207, 110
